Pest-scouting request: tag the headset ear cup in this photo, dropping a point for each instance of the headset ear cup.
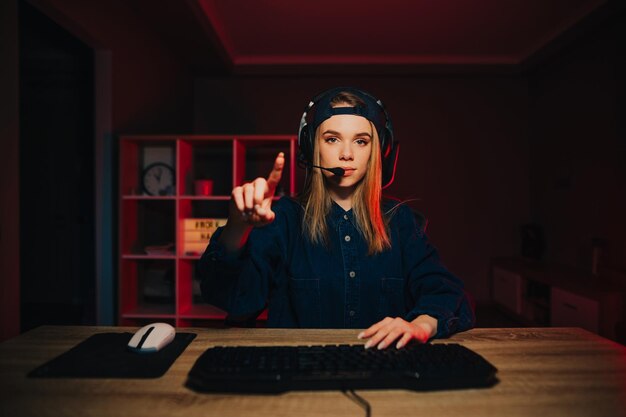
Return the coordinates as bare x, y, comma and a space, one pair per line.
306, 145
388, 143
389, 166
384, 151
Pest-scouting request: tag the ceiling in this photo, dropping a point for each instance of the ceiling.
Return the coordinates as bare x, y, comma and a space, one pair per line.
292, 36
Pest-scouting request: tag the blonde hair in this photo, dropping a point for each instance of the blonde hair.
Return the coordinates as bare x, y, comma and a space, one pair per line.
366, 199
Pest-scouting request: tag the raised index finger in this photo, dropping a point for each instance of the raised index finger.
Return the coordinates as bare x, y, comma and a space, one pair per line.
277, 172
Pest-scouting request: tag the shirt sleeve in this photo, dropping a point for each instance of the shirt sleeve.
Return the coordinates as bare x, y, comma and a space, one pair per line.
241, 284
433, 290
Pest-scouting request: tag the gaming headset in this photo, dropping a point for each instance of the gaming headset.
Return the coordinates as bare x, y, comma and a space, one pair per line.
320, 109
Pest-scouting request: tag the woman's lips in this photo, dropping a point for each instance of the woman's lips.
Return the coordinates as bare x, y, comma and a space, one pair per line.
348, 171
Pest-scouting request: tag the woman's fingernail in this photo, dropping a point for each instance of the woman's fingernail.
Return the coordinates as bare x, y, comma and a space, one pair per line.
360, 336
381, 345
399, 345
368, 344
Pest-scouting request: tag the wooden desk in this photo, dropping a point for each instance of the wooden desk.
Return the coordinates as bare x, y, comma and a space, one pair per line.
543, 372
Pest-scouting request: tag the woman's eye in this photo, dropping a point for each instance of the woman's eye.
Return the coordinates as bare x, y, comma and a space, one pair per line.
361, 141
331, 139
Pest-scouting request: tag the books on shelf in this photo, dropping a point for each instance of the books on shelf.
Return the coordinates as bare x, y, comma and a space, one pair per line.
167, 249
194, 248
203, 225
197, 232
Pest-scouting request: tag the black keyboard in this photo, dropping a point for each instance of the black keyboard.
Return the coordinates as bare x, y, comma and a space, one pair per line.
274, 369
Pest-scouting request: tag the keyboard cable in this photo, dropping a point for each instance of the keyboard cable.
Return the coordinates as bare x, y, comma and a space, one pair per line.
360, 401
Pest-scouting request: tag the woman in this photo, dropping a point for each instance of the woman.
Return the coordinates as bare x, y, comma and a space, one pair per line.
339, 256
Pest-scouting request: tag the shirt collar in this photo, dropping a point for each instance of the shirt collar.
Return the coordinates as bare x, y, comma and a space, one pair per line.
337, 213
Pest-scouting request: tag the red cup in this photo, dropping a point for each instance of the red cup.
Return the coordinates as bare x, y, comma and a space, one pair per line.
203, 187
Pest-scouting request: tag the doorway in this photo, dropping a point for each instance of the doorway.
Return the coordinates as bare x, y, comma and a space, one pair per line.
57, 245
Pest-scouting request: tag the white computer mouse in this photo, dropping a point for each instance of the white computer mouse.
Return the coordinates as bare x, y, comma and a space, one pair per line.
152, 338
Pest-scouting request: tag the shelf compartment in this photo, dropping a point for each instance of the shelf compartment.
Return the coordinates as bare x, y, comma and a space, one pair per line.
150, 312
205, 160
190, 302
141, 320
189, 208
207, 198
143, 257
206, 311
154, 226
148, 289
136, 153
148, 197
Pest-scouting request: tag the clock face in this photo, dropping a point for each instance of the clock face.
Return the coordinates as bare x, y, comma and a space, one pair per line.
158, 179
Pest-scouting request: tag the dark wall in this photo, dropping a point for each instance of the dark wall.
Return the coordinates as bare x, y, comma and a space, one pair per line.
152, 88
9, 172
578, 148
464, 150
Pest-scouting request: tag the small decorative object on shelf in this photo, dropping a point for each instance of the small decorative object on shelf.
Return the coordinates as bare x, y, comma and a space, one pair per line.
158, 179
167, 249
204, 187
158, 285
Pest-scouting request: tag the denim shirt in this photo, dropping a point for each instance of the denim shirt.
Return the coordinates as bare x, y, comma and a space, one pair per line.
337, 285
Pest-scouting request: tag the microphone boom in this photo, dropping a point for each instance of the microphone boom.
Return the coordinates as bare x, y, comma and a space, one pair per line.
340, 172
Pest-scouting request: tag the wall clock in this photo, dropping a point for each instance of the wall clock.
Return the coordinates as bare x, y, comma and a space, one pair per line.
158, 179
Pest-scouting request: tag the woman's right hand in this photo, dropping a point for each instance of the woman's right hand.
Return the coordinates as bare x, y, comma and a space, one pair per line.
251, 206
251, 203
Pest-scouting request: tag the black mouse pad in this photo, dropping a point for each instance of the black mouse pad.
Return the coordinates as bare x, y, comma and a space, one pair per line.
105, 355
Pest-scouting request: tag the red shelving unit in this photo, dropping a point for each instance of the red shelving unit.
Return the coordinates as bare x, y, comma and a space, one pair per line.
164, 286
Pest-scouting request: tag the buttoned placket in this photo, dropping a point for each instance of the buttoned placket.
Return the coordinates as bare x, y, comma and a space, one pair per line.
348, 238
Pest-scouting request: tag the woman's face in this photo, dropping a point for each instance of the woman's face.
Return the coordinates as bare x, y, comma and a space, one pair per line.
345, 141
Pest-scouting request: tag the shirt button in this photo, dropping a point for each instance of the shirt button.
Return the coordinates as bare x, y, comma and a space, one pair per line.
352, 274
347, 238
345, 217
352, 313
